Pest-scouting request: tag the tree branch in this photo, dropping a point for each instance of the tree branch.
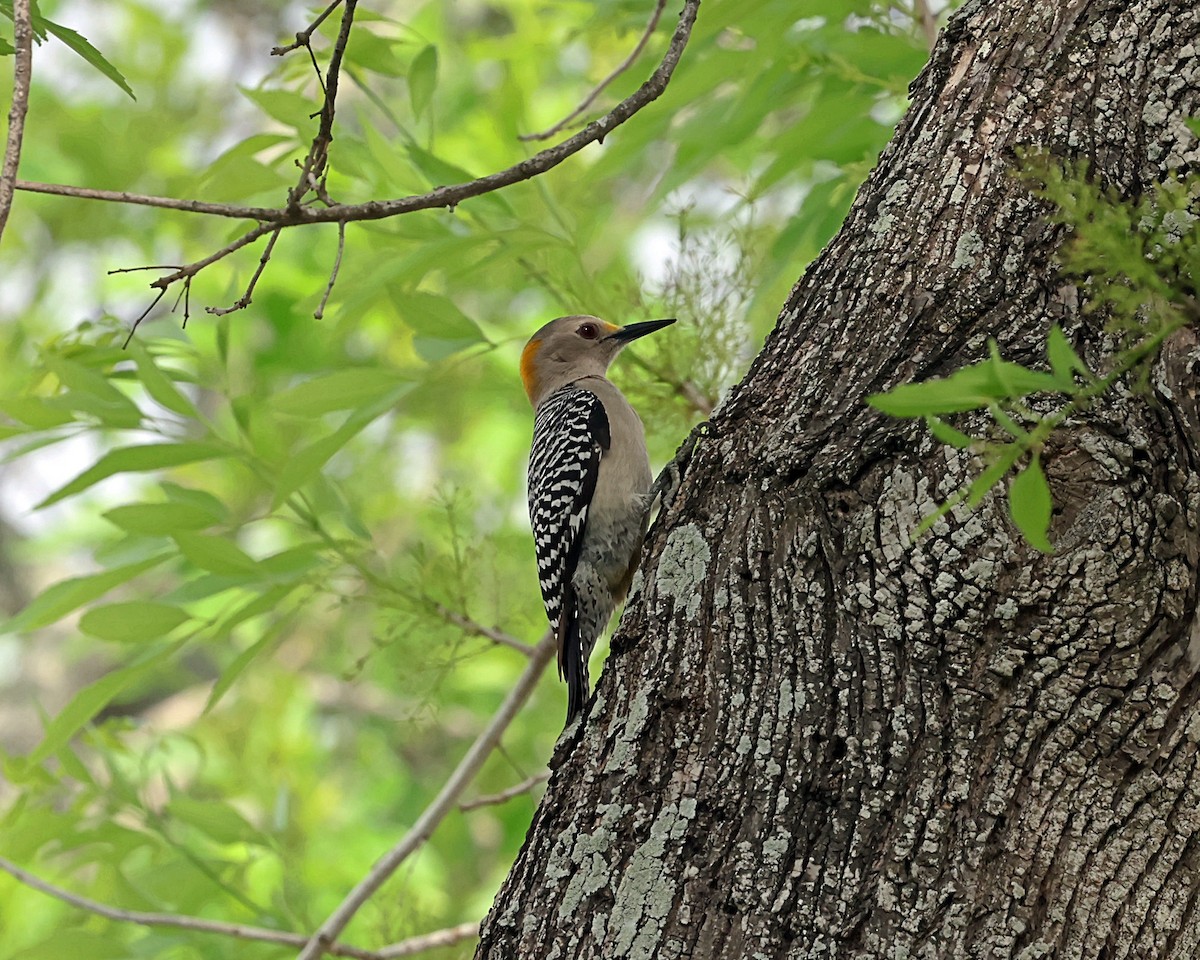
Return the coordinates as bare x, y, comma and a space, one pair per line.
467, 625
22, 72
239, 931
312, 170
428, 941
495, 799
294, 213
304, 36
232, 211
927, 20
314, 167
445, 196
333, 274
245, 299
441, 805
186, 273
599, 89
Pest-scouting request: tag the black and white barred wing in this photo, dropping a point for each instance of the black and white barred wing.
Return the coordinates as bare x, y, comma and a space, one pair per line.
570, 435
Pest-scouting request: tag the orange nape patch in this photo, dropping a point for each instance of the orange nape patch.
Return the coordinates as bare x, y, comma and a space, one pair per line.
528, 373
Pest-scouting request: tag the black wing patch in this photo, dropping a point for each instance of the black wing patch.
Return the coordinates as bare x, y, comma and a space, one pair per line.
570, 435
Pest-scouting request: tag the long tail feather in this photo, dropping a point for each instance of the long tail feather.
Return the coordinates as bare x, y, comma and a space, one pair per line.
574, 665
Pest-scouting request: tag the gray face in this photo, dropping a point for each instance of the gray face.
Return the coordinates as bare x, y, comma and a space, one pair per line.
569, 343
569, 348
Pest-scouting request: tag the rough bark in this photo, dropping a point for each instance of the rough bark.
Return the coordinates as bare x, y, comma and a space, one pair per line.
817, 738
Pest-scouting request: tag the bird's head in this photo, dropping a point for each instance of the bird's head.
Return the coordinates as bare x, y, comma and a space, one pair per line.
572, 347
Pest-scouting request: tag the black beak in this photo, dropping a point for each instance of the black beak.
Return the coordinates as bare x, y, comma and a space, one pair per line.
635, 330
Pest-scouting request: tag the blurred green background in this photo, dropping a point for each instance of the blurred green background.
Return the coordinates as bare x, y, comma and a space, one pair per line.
227, 677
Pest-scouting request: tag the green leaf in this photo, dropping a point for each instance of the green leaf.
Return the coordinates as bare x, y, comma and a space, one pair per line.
133, 621
967, 389
223, 340
156, 519
947, 434
290, 109
158, 384
440, 328
266, 602
440, 172
217, 555
1004, 458
422, 79
231, 673
982, 484
151, 456
56, 601
376, 53
6, 48
255, 607
204, 586
240, 171
89, 392
307, 463
1021, 381
94, 698
1064, 361
38, 412
196, 498
291, 563
1030, 504
213, 817
970, 388
80, 45
998, 370
341, 390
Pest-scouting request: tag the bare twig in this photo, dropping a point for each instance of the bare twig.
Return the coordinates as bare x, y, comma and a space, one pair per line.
186, 273
319, 152
599, 89
333, 274
928, 21
311, 180
312, 57
313, 168
149, 266
242, 302
466, 624
494, 799
239, 931
194, 268
428, 941
187, 301
445, 196
22, 73
304, 36
145, 313
232, 211
186, 296
441, 805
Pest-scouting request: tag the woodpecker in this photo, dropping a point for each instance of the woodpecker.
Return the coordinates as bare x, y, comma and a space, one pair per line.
589, 484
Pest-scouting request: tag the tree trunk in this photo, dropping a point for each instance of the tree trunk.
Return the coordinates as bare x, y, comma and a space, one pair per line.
818, 738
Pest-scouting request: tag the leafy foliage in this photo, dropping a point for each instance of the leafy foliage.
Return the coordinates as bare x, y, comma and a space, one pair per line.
233, 677
1137, 261
43, 28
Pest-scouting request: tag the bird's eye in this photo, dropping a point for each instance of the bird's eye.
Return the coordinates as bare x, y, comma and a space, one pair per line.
589, 331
